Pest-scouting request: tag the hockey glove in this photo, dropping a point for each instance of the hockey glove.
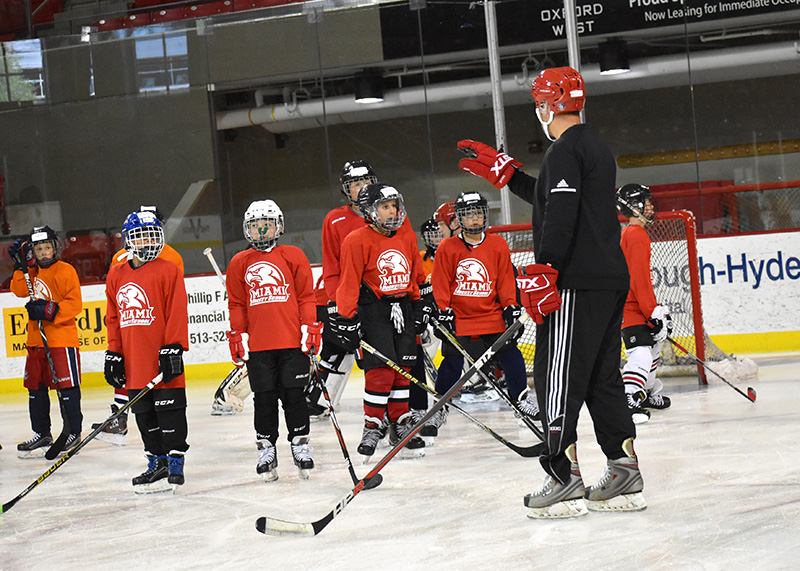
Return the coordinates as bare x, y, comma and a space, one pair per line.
42, 309
422, 315
114, 370
22, 254
312, 337
660, 323
510, 315
486, 162
538, 291
170, 361
446, 319
348, 331
240, 350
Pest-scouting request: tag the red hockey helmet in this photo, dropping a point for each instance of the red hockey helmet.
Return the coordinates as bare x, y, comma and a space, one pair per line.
561, 87
445, 213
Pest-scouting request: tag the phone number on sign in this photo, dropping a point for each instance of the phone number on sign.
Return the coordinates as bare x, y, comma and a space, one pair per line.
206, 337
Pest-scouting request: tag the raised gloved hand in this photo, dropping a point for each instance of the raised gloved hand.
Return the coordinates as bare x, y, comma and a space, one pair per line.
348, 331
538, 291
240, 351
42, 309
114, 369
486, 162
170, 361
311, 337
21, 252
660, 323
510, 315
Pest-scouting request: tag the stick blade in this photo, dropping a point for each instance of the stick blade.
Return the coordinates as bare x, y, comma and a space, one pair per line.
751, 394
272, 526
374, 482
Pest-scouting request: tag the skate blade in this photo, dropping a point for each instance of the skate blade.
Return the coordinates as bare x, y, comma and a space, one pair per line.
622, 503
428, 440
157, 487
486, 396
303, 473
640, 418
230, 412
270, 476
32, 454
410, 454
115, 439
365, 459
559, 510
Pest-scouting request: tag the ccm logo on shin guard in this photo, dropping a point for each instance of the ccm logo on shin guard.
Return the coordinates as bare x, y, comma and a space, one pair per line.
164, 402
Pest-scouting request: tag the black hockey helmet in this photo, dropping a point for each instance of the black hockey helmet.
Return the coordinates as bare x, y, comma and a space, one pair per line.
431, 236
632, 200
154, 210
372, 195
469, 204
41, 234
354, 171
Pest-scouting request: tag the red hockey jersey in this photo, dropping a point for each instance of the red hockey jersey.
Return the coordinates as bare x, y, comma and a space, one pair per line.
388, 265
641, 300
270, 294
476, 281
146, 309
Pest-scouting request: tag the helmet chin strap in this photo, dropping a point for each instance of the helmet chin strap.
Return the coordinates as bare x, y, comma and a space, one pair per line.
546, 124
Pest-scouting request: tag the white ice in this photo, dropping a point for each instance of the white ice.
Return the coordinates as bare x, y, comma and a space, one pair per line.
721, 482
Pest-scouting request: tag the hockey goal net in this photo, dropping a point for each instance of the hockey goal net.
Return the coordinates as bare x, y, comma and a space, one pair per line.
676, 281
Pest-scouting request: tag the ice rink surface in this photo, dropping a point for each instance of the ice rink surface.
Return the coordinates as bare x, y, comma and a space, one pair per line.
721, 482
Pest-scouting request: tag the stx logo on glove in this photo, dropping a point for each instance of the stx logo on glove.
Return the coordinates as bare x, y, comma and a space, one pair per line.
500, 164
534, 283
484, 161
538, 291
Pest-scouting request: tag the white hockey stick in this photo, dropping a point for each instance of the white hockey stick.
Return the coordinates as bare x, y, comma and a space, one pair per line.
207, 253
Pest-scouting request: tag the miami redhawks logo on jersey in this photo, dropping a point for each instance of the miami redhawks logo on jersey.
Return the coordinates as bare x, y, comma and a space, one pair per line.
472, 279
134, 307
394, 270
41, 290
267, 284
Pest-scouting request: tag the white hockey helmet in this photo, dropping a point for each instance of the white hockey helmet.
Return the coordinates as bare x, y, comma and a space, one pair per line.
259, 218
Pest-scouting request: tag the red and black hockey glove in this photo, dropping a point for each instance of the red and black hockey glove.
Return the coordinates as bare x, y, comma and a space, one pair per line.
42, 309
240, 350
486, 162
510, 315
114, 370
21, 252
170, 361
537, 290
311, 337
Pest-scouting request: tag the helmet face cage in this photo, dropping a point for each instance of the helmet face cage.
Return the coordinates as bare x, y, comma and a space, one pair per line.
431, 236
144, 236
261, 217
41, 235
471, 204
632, 201
356, 171
372, 196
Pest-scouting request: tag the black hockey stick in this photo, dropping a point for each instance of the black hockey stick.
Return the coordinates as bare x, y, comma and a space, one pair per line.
69, 454
488, 378
272, 526
368, 484
58, 445
524, 451
751, 392
430, 368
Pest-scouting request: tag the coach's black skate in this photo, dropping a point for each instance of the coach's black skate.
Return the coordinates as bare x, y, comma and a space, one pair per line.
34, 447
175, 467
620, 487
116, 431
658, 401
554, 500
154, 479
415, 447
638, 414
267, 460
370, 437
301, 454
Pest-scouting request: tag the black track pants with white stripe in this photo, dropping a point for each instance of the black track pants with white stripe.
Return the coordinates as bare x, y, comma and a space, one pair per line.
577, 360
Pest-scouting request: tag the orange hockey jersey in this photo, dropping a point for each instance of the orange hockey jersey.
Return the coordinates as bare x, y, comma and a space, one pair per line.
146, 309
59, 283
167, 252
641, 300
270, 294
427, 266
388, 265
476, 281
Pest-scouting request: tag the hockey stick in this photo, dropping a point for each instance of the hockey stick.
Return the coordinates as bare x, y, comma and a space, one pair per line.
488, 378
524, 451
58, 445
751, 392
274, 526
8, 505
368, 484
430, 368
207, 253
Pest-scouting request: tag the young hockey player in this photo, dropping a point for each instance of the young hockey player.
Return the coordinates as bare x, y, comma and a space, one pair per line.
473, 282
445, 218
379, 295
148, 331
57, 292
116, 432
272, 313
645, 323
576, 236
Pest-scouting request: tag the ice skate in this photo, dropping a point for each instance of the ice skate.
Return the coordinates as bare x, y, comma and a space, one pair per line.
154, 479
301, 453
414, 448
222, 409
431, 428
267, 460
72, 441
554, 500
34, 447
529, 406
427, 432
658, 401
478, 392
117, 430
620, 487
175, 465
370, 437
638, 414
